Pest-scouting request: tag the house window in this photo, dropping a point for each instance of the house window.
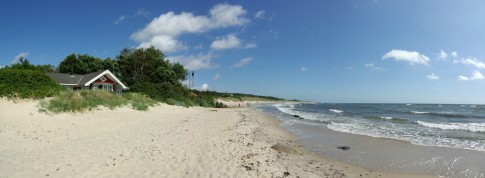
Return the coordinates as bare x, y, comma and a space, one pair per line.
108, 87
105, 87
102, 78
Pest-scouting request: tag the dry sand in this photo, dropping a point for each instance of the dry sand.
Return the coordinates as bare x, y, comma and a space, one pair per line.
166, 141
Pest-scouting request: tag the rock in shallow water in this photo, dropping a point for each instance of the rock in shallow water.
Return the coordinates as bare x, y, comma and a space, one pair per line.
344, 148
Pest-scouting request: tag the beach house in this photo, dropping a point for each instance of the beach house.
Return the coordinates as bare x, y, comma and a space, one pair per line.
102, 80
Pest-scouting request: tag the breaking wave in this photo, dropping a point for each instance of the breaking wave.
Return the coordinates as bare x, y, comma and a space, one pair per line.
472, 127
336, 110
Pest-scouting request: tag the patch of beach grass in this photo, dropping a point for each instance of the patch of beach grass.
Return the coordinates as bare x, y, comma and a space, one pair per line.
139, 101
179, 102
79, 101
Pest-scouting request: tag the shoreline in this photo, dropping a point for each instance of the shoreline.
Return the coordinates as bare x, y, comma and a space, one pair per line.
381, 154
165, 141
312, 159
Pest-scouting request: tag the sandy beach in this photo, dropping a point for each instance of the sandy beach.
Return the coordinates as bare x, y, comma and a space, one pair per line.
166, 141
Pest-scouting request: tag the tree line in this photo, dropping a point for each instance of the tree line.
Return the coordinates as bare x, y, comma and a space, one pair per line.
143, 70
131, 65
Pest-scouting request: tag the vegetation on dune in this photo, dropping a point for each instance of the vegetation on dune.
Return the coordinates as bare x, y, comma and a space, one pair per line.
150, 76
236, 96
70, 101
24, 64
147, 71
80, 64
18, 83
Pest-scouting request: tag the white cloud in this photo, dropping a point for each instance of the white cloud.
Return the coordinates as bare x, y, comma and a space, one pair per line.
226, 42
412, 57
195, 62
433, 77
461, 77
472, 61
217, 76
243, 62
454, 54
443, 55
223, 15
141, 12
229, 42
303, 69
475, 76
120, 19
166, 43
1, 66
204, 87
167, 27
17, 58
260, 14
373, 67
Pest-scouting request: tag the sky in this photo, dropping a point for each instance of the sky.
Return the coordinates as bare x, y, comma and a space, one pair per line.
341, 51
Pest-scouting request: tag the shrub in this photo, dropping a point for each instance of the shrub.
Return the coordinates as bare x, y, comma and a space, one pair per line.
78, 101
160, 91
27, 84
138, 101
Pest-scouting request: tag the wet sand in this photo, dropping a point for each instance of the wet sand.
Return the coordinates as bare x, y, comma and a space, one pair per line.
388, 155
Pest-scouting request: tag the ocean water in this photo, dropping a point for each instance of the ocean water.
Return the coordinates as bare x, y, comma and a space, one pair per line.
434, 139
443, 125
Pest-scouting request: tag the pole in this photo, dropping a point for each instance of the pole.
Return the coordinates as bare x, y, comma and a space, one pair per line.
193, 79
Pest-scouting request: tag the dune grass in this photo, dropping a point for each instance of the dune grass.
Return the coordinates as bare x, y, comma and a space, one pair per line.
79, 101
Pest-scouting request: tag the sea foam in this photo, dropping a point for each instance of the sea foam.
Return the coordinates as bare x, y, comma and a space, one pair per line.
472, 127
336, 110
387, 118
289, 109
419, 112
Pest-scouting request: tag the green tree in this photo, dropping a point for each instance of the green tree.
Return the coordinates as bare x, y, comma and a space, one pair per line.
146, 65
46, 68
180, 71
93, 64
72, 64
80, 64
24, 64
147, 71
111, 65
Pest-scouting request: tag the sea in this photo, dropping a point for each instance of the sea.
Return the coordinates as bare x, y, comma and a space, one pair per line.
447, 139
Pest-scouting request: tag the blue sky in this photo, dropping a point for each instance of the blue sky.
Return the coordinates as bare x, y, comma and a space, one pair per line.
327, 51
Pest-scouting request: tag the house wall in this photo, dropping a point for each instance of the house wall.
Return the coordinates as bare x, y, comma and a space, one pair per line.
100, 82
107, 81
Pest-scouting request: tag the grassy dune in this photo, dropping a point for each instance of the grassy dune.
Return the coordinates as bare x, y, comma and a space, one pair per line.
80, 101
